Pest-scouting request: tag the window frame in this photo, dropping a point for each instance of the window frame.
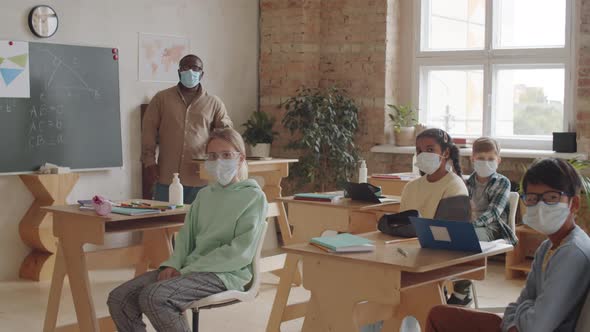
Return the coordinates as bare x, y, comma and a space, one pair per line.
489, 58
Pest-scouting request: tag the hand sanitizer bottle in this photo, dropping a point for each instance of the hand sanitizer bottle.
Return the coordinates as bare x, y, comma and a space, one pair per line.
363, 172
175, 191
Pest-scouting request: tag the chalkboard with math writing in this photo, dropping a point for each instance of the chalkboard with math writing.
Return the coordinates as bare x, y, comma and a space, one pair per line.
72, 117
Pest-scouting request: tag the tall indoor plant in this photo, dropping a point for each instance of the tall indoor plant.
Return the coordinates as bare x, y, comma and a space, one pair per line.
259, 134
403, 118
323, 123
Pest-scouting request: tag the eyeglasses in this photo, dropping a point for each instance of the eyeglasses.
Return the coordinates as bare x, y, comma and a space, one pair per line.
548, 197
193, 68
223, 155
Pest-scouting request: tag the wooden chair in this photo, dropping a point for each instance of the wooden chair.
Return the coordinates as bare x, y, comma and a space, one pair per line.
232, 296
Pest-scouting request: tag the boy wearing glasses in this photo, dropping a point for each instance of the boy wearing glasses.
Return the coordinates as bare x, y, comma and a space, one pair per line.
179, 120
558, 282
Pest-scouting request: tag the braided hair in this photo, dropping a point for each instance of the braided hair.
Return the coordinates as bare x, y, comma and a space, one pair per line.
445, 141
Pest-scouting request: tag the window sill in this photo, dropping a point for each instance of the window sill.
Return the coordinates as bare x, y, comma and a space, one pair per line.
505, 153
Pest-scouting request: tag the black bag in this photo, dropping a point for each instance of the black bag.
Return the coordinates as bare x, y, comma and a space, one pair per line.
398, 224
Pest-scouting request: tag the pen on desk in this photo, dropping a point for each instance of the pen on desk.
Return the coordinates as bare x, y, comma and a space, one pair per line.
402, 252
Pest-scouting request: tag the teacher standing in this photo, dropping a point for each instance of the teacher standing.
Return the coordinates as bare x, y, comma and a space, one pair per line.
179, 120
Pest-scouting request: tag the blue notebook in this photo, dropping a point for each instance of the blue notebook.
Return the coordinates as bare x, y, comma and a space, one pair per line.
343, 243
133, 212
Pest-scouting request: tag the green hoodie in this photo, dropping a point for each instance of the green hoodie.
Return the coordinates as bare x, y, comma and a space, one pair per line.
220, 233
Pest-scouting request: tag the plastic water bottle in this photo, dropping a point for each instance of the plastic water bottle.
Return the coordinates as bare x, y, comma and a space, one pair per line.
363, 172
415, 169
175, 191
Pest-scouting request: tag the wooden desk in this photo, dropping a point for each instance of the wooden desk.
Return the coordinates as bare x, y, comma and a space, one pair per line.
519, 262
390, 186
310, 219
74, 228
352, 290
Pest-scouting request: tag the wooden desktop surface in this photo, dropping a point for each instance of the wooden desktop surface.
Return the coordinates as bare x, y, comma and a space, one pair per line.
417, 260
113, 217
341, 203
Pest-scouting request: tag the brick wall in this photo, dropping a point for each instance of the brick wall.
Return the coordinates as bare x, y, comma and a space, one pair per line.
355, 45
583, 72
319, 43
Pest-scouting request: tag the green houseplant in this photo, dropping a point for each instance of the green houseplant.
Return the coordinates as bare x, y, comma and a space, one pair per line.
259, 134
403, 119
324, 123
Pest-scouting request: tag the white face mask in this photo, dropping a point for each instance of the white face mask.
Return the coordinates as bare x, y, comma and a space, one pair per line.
546, 219
485, 168
223, 170
428, 162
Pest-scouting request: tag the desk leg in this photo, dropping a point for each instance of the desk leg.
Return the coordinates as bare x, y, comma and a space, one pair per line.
77, 269
416, 302
157, 248
338, 287
283, 290
57, 282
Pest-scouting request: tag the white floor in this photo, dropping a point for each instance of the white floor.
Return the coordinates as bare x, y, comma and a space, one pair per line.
23, 303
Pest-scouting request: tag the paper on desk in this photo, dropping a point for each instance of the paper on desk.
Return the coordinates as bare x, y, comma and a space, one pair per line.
440, 233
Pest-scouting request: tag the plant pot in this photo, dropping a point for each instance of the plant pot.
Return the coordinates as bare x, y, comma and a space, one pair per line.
405, 137
259, 150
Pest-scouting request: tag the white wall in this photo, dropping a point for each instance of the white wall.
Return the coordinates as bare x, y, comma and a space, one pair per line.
224, 33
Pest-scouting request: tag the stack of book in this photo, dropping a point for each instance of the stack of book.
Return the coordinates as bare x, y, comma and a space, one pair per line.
316, 197
343, 243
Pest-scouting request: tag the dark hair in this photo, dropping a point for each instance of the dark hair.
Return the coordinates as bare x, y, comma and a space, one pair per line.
445, 141
188, 56
554, 173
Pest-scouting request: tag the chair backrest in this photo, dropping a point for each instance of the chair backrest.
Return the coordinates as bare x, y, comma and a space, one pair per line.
273, 211
255, 284
583, 324
513, 205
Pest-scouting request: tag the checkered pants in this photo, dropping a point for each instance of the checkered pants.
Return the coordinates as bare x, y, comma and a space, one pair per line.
162, 302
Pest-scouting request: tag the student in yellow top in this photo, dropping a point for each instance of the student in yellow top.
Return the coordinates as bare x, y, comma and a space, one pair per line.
438, 160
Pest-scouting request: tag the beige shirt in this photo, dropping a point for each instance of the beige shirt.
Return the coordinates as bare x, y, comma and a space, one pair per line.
182, 131
424, 196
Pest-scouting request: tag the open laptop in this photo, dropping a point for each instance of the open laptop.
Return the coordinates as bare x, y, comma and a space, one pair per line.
448, 235
366, 192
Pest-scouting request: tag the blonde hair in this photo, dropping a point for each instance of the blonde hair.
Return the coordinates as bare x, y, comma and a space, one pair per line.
234, 138
486, 144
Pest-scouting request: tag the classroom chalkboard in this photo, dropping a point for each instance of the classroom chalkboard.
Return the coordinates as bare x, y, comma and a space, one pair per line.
72, 117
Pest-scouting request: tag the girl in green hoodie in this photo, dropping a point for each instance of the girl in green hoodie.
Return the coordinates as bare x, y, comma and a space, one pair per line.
214, 249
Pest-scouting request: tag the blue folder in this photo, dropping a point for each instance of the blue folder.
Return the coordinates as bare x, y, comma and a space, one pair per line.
446, 235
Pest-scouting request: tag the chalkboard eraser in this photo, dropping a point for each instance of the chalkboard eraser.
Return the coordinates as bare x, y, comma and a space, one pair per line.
60, 170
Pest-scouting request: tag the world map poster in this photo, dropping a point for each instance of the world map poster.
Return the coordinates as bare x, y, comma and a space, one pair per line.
14, 69
159, 56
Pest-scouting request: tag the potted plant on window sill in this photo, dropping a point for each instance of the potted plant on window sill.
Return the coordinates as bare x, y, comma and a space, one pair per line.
403, 119
259, 135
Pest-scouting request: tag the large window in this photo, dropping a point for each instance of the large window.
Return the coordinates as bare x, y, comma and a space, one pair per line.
495, 67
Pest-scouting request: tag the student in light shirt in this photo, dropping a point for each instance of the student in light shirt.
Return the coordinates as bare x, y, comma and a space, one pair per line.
214, 249
437, 157
558, 282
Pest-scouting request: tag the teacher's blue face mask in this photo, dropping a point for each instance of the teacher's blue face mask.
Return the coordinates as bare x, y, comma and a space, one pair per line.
190, 78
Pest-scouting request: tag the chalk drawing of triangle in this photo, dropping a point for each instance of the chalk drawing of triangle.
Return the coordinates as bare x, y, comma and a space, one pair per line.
9, 74
20, 60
